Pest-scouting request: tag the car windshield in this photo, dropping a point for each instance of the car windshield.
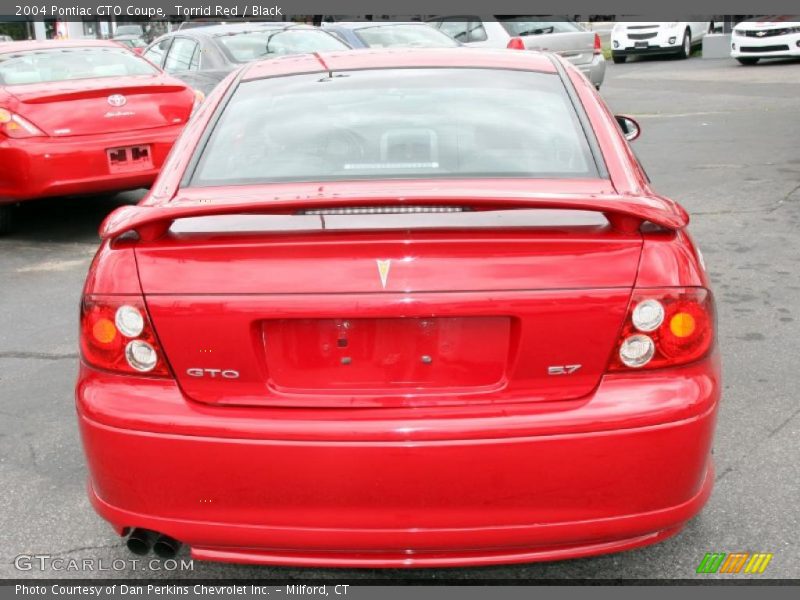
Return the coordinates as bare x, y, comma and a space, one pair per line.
519, 25
134, 43
772, 19
250, 45
388, 36
396, 123
129, 30
64, 64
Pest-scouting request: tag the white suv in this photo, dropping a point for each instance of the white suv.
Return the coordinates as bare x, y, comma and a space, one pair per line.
676, 38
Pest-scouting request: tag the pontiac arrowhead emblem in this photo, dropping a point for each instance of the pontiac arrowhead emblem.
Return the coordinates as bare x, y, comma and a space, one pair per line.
383, 270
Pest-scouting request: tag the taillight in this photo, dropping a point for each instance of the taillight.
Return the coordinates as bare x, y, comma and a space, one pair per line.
598, 47
665, 327
516, 43
116, 335
14, 126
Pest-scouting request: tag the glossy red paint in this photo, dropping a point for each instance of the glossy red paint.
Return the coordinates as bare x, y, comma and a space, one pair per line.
404, 487
70, 155
152, 220
497, 456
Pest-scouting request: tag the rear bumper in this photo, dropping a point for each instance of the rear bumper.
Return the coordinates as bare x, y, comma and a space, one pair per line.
594, 71
44, 167
624, 468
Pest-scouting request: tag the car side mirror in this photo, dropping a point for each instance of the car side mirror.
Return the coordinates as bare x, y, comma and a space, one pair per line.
630, 127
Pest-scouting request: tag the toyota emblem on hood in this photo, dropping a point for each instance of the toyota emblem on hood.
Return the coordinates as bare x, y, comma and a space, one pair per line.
117, 100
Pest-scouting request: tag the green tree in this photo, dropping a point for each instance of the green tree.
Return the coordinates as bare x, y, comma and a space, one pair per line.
16, 30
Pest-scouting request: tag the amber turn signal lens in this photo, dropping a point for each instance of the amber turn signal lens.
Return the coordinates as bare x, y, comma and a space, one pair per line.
682, 325
104, 331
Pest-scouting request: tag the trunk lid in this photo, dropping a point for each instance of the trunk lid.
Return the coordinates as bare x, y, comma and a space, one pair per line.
389, 310
577, 47
204, 81
104, 105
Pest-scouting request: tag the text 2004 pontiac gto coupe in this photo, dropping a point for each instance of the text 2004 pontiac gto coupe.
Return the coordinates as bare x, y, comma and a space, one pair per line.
399, 308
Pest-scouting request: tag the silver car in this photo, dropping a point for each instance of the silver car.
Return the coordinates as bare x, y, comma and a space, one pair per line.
203, 56
563, 36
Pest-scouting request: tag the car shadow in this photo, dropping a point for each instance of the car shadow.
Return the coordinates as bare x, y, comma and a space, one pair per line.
774, 62
72, 219
649, 58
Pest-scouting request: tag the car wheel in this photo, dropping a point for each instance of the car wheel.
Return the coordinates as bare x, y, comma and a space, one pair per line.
747, 60
686, 47
619, 58
6, 217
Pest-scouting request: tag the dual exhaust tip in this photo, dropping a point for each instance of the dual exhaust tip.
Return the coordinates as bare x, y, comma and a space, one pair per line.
141, 541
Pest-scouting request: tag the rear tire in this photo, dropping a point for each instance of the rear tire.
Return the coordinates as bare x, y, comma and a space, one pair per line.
747, 61
686, 46
619, 58
6, 218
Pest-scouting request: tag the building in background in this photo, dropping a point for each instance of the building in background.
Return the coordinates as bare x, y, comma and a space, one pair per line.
49, 29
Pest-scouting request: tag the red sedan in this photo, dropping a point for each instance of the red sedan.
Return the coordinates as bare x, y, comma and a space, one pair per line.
81, 117
395, 309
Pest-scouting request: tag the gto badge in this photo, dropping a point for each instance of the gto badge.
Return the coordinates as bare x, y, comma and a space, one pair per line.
117, 100
562, 369
383, 270
213, 373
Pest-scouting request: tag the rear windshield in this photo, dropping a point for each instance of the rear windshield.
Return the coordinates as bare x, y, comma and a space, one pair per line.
520, 25
396, 123
133, 43
389, 36
64, 64
250, 45
129, 30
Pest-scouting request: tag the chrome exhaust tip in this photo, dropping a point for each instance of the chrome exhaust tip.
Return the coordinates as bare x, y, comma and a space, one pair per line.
166, 547
140, 541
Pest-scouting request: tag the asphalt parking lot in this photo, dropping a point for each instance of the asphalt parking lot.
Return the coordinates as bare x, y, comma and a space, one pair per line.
722, 139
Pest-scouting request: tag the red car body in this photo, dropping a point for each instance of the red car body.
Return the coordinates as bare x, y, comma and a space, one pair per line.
503, 452
74, 128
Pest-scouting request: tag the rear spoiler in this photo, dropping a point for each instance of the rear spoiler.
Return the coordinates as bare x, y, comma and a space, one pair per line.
62, 96
624, 213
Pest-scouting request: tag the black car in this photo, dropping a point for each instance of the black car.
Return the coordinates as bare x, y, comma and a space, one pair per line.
370, 34
203, 56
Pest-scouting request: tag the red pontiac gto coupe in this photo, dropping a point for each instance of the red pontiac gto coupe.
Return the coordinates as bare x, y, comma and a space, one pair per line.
399, 308
83, 116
